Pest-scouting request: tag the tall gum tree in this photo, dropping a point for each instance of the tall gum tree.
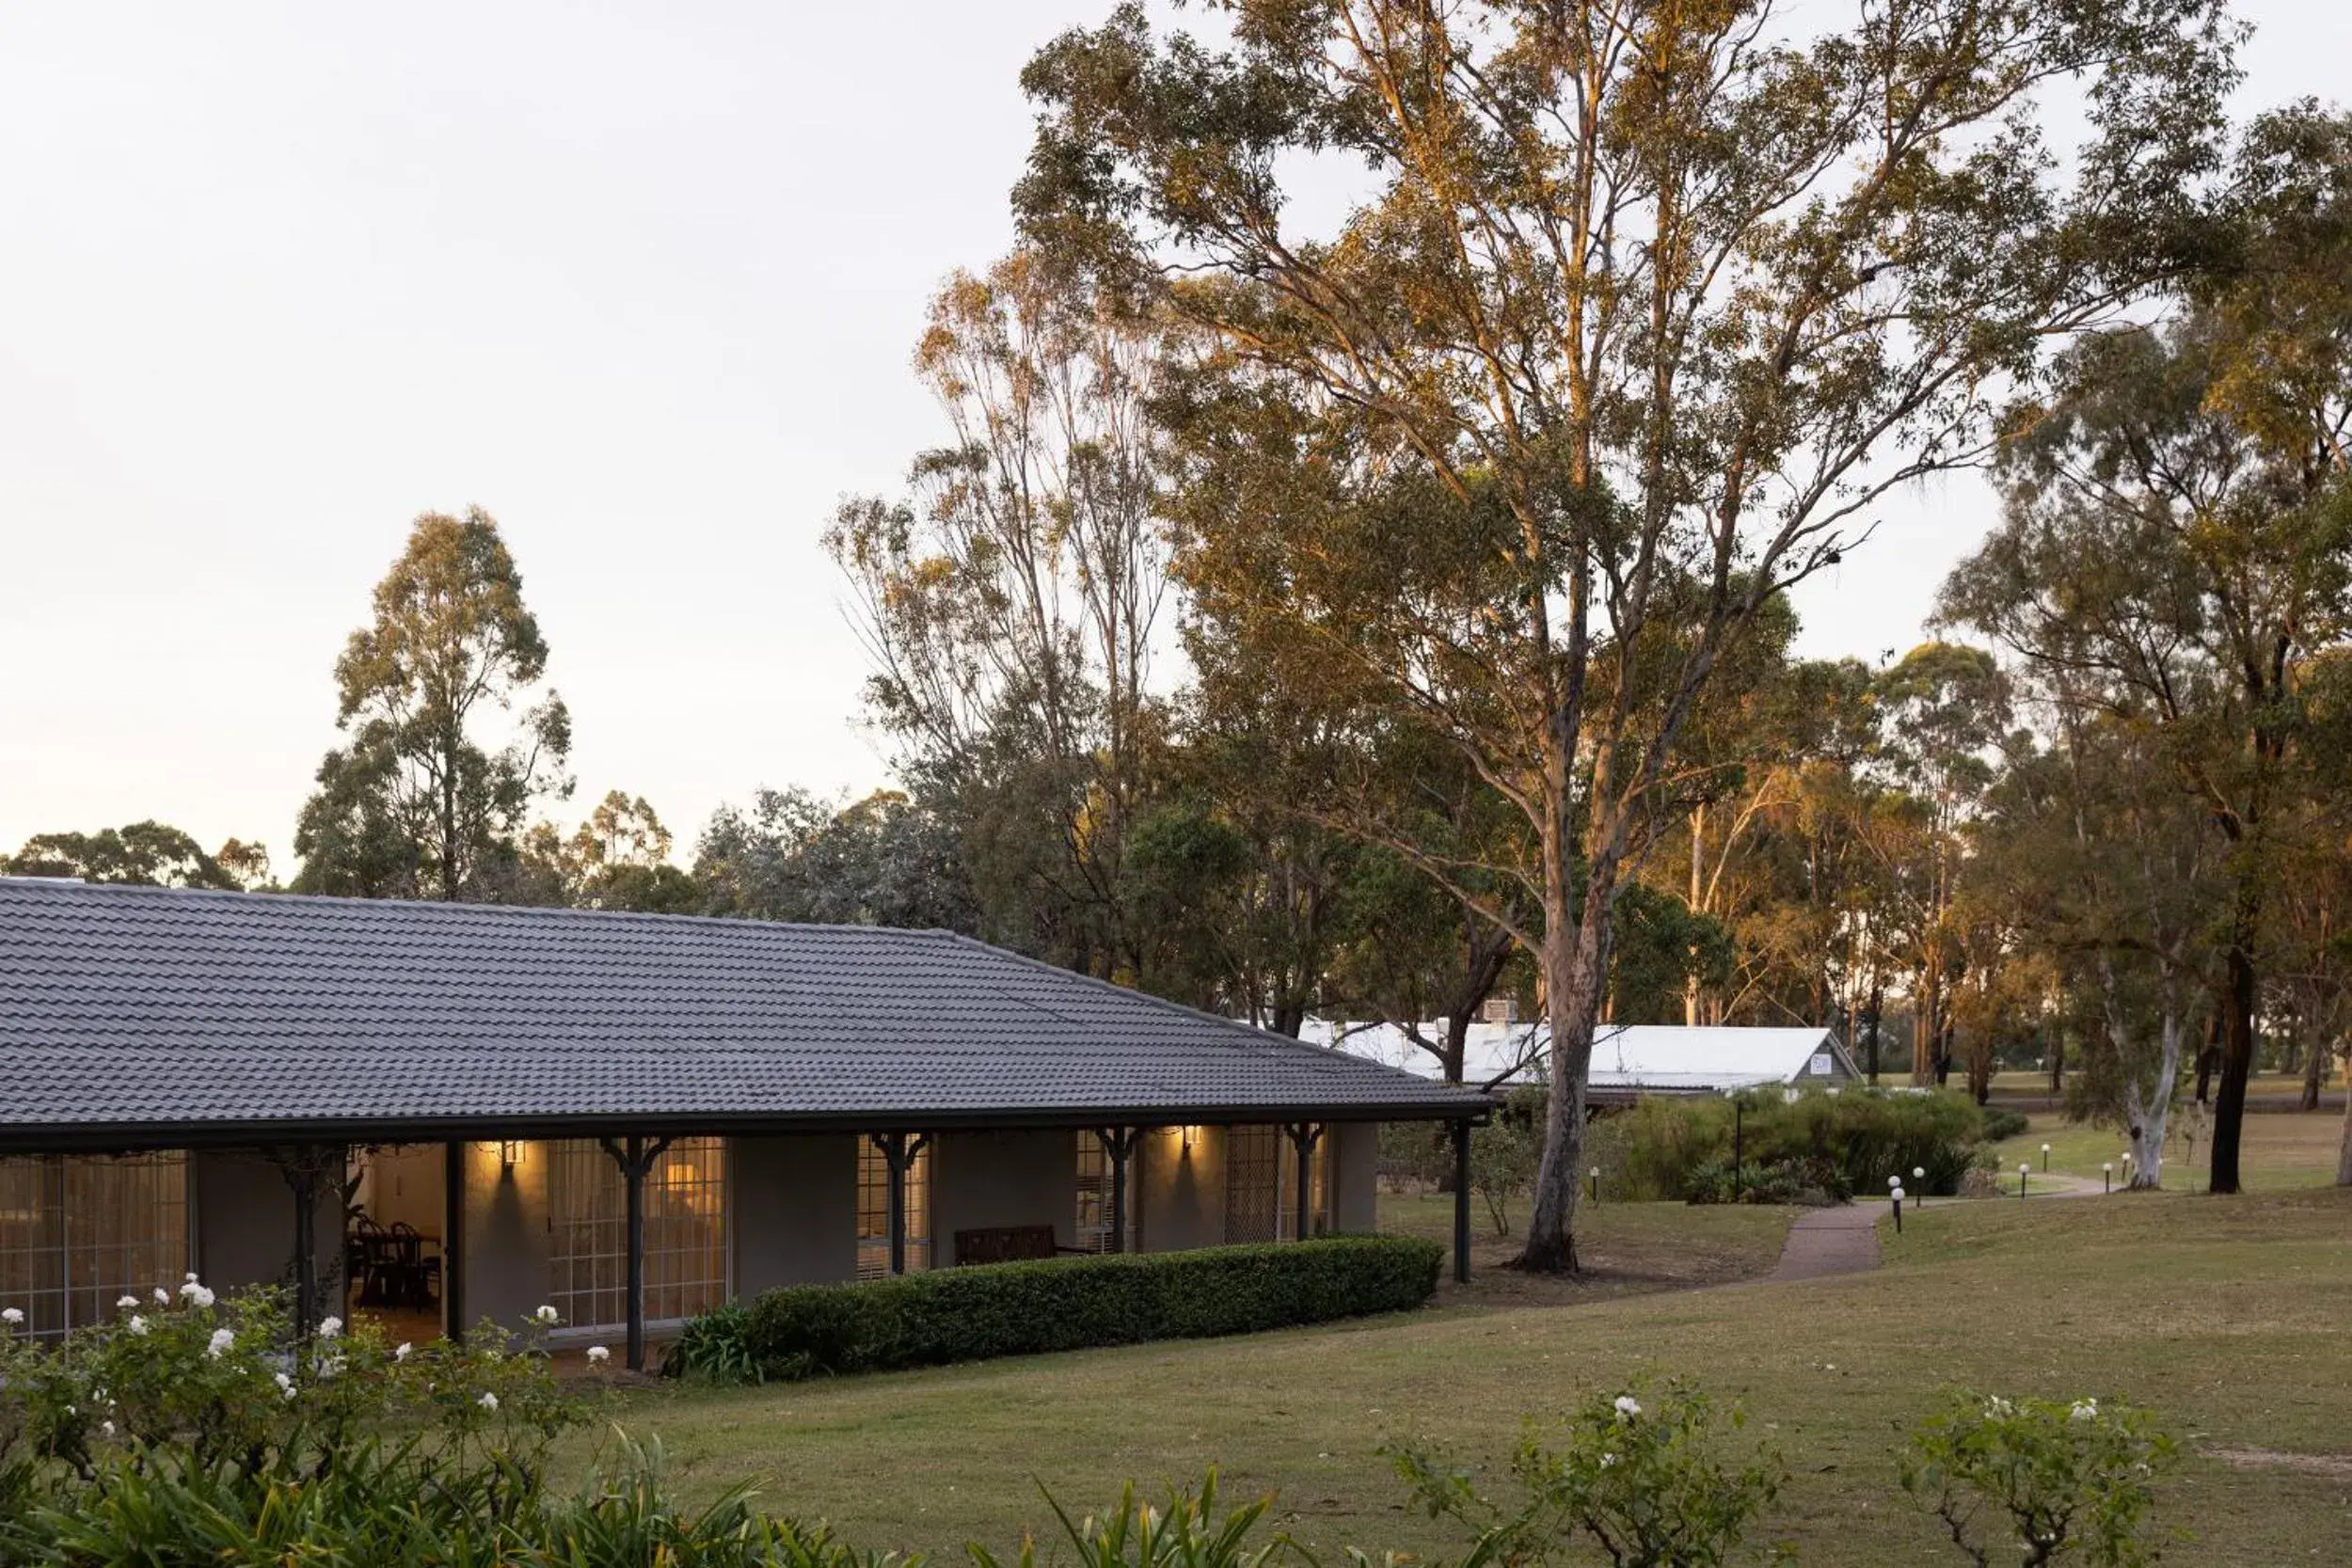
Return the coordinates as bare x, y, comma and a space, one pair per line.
2178, 529
1674, 291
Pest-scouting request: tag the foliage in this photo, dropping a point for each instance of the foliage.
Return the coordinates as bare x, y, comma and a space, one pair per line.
2000, 1122
618, 858
1643, 1475
968, 1314
149, 854
1504, 1152
1837, 1144
189, 1429
1188, 1532
882, 861
718, 1346
418, 804
1522, 449
2061, 1479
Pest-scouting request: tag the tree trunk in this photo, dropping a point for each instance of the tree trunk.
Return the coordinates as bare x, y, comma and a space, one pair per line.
2145, 1118
2209, 1058
1575, 959
2057, 1060
2314, 1074
2237, 1064
1698, 841
1878, 1004
2343, 1146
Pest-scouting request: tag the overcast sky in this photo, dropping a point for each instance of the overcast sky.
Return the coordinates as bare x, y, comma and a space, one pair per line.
642, 280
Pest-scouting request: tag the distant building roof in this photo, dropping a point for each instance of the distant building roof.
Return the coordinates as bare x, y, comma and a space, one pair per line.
1628, 1059
132, 1015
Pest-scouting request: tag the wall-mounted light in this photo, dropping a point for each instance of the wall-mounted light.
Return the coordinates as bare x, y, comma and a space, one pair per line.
1191, 1137
510, 1154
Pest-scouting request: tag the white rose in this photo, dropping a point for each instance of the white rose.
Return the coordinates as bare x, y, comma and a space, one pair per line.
547, 1315
11, 1316
138, 1324
1627, 1407
329, 1327
402, 1353
126, 1303
488, 1400
163, 1297
598, 1354
222, 1339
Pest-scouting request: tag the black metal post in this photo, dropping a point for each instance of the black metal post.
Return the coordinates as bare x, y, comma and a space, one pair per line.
899, 1153
1461, 1202
636, 1159
301, 1167
1304, 1136
1119, 1144
306, 1197
452, 1239
1898, 1210
633, 1167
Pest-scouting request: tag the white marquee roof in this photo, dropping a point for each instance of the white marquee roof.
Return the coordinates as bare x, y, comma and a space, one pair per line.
1668, 1058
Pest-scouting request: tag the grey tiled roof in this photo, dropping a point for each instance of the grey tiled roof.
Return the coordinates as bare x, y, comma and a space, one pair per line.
148, 1011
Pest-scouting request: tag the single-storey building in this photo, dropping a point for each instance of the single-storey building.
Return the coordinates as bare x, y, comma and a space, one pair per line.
1629, 1061
455, 1111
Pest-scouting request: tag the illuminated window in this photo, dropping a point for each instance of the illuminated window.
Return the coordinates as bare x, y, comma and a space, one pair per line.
873, 1211
77, 1232
686, 1232
1094, 1195
1262, 1184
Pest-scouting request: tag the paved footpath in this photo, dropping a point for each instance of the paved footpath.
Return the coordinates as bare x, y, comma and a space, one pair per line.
1845, 1239
1826, 1242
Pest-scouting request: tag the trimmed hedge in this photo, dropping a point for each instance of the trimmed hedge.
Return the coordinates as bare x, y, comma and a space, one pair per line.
969, 1314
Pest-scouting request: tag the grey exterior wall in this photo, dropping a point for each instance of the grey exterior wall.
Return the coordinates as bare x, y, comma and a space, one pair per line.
1355, 1176
982, 1179
502, 1249
245, 1224
1180, 1195
792, 1207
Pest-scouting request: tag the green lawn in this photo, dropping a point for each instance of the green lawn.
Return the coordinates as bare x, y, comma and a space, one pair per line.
2232, 1317
2283, 1150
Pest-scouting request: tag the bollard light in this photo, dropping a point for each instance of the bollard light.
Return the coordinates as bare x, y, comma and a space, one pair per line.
2024, 1170
1595, 1183
1919, 1174
1898, 1195
2045, 1159
2106, 1176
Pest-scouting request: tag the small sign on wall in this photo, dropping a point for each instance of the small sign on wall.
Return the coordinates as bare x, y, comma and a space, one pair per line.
1820, 1067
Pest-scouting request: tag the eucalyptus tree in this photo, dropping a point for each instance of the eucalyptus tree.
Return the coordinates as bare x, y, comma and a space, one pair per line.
2178, 530
1664, 297
1011, 602
150, 854
423, 802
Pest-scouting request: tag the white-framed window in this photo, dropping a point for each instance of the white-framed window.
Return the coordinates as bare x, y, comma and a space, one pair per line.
873, 1211
79, 1231
686, 1232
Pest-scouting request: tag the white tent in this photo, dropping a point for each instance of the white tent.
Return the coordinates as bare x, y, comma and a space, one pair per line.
1628, 1060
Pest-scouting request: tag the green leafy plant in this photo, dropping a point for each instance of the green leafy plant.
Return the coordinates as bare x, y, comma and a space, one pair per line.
717, 1347
1841, 1144
1188, 1532
1643, 1476
2055, 1479
970, 1314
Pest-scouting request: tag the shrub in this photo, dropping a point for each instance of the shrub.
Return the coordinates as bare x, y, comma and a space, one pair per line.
1839, 1143
1188, 1533
2001, 1122
968, 1314
2061, 1478
1644, 1475
196, 1429
716, 1347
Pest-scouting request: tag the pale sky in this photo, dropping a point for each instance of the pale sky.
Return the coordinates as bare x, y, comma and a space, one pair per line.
642, 280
